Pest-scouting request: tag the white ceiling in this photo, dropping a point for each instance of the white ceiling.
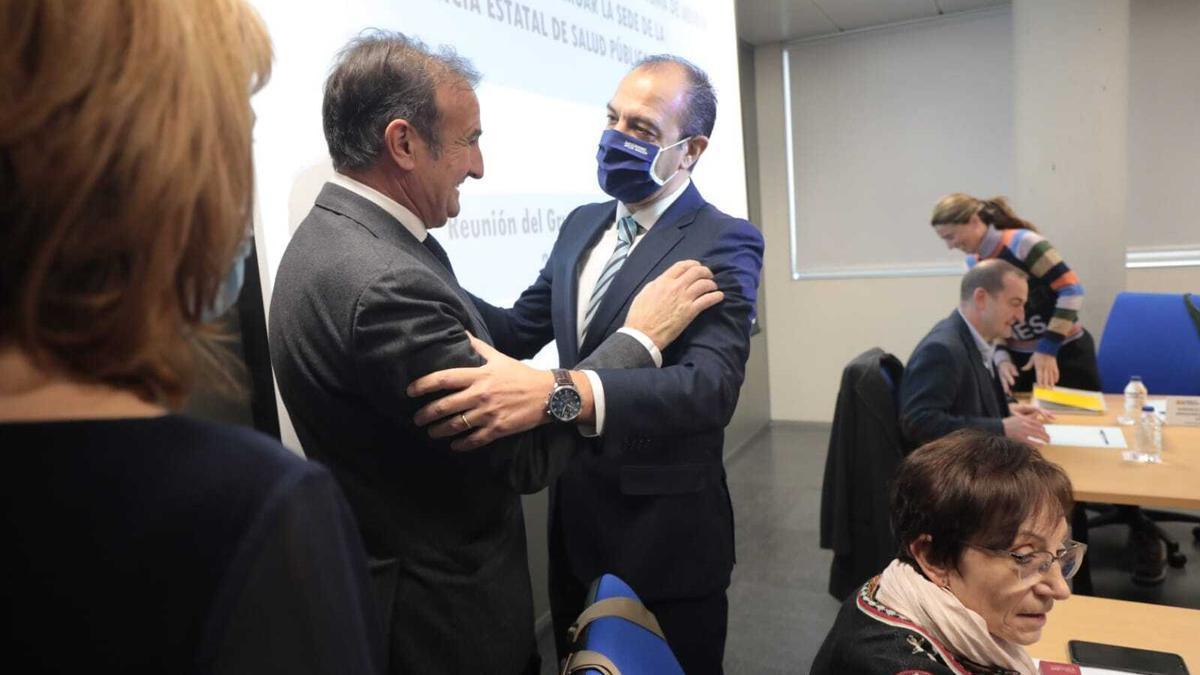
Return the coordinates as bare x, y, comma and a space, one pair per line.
765, 21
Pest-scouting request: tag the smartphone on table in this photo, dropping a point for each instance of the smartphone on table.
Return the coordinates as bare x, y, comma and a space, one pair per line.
1128, 659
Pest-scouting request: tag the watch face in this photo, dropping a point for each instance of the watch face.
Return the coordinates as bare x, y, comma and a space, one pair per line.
565, 404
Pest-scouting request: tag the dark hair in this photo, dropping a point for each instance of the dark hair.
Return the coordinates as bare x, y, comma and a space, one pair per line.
970, 486
701, 105
988, 275
957, 209
382, 76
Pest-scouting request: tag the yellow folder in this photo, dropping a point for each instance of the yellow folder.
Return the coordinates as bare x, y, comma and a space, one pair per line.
1065, 399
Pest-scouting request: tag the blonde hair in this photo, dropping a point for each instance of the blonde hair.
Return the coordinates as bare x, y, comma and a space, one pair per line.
958, 208
126, 181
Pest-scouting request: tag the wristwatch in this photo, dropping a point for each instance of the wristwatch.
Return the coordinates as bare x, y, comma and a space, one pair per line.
564, 403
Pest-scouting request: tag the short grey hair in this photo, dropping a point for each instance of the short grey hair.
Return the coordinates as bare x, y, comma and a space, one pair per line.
988, 275
381, 76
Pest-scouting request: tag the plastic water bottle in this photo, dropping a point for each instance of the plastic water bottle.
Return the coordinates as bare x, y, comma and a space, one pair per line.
1135, 398
1147, 444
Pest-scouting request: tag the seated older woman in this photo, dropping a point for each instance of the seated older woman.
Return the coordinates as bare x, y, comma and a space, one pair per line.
985, 552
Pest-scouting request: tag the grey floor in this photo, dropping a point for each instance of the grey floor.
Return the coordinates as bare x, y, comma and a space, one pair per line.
779, 611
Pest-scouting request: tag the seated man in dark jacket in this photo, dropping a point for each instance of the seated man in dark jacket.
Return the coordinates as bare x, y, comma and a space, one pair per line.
950, 380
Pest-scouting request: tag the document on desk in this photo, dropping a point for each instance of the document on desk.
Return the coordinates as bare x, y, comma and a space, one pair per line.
1085, 436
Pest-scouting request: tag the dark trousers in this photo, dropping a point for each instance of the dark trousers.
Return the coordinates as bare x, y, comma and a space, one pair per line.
1076, 366
694, 627
534, 667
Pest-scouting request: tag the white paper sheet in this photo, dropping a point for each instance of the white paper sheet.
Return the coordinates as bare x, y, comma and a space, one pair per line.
1159, 404
1086, 436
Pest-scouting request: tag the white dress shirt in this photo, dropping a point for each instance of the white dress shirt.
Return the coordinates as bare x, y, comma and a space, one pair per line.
593, 264
986, 349
407, 218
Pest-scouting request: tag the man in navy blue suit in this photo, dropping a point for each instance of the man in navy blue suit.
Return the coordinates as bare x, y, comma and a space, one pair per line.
645, 497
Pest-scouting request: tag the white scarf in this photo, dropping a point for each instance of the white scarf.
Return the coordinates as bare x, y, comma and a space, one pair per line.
938, 611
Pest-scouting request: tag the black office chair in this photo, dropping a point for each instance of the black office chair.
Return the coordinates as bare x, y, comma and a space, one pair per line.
865, 448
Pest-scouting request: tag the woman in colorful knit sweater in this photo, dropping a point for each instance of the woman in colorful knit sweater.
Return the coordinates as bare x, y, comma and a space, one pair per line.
1049, 346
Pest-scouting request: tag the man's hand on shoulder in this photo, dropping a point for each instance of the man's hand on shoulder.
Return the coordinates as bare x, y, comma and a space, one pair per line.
500, 398
666, 306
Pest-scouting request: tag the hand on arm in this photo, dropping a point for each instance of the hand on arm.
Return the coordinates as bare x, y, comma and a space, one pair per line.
500, 398
668, 304
697, 388
505, 397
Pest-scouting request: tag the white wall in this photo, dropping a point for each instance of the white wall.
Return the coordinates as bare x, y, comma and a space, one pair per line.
1164, 106
885, 122
816, 326
754, 405
1071, 135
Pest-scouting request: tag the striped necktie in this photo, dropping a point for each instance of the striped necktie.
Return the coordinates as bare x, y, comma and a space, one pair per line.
627, 229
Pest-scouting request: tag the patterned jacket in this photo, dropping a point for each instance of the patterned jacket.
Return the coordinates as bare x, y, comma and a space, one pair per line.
870, 638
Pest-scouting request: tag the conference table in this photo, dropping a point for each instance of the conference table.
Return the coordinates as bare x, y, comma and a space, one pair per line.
1117, 622
1100, 475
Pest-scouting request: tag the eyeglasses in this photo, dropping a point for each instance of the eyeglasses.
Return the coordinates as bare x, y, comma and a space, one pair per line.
1038, 562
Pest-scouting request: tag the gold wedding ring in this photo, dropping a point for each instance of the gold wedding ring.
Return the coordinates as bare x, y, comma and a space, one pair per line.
466, 423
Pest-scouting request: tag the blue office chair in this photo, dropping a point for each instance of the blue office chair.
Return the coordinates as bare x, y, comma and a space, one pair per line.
617, 635
1156, 336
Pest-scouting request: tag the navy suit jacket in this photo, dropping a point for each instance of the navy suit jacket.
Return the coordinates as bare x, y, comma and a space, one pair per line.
648, 499
946, 386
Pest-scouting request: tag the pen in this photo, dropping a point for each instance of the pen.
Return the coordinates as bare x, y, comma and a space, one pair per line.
1104, 436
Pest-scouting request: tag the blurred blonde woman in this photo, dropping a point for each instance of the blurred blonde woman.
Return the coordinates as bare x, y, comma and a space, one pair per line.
139, 540
1050, 346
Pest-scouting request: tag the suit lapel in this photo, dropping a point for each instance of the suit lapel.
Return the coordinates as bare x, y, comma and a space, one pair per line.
984, 382
654, 246
565, 322
384, 227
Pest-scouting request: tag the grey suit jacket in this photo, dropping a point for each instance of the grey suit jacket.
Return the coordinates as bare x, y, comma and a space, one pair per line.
360, 309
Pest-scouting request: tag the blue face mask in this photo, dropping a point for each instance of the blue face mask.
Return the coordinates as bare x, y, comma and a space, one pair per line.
625, 166
231, 288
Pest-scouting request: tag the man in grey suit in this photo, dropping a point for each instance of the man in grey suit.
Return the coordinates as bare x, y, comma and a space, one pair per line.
365, 302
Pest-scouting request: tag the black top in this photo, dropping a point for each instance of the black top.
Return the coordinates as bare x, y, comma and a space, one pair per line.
174, 545
870, 638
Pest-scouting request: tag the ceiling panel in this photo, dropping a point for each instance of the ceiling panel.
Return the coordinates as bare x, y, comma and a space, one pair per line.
949, 6
852, 14
765, 21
